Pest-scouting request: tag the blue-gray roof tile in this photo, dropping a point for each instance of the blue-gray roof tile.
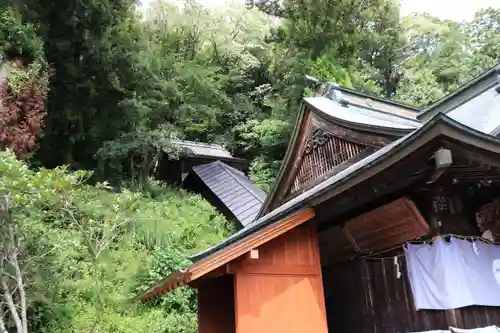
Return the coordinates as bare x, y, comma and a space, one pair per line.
241, 197
481, 113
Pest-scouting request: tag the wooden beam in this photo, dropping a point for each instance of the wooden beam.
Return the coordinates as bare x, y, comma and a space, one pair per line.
273, 269
436, 174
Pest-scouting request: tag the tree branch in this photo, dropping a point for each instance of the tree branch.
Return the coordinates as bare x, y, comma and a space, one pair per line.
2, 320
22, 293
10, 303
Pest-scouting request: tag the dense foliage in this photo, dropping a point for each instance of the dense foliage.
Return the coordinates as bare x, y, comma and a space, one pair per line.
87, 250
104, 85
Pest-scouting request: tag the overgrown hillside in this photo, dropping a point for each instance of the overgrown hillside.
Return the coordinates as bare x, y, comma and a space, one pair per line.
86, 250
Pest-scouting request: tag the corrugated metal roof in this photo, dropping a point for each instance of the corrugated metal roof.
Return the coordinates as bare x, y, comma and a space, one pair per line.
359, 115
200, 149
481, 113
233, 188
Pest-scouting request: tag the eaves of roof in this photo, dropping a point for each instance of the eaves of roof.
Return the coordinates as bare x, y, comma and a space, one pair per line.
211, 263
286, 160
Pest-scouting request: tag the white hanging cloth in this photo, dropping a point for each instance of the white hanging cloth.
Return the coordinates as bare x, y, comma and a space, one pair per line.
454, 274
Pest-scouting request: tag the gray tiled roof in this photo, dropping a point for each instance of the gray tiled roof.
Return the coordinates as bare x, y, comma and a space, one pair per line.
362, 116
481, 113
200, 149
233, 188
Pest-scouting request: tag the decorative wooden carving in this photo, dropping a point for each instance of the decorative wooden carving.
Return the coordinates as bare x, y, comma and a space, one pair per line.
317, 139
351, 135
322, 153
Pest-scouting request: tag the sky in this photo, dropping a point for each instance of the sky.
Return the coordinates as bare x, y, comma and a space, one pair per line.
458, 10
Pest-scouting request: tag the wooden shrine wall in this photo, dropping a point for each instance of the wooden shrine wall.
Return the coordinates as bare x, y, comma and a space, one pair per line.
369, 296
282, 290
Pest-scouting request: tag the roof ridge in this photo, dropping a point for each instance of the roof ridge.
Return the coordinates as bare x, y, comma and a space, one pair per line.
199, 143
416, 109
230, 171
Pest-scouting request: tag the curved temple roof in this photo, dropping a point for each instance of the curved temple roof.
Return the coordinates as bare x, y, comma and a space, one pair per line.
342, 177
357, 115
481, 113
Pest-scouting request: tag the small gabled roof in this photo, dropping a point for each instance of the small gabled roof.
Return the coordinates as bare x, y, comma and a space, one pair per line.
241, 197
338, 111
200, 149
298, 209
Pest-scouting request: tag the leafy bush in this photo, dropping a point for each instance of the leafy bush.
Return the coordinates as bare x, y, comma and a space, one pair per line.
90, 249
